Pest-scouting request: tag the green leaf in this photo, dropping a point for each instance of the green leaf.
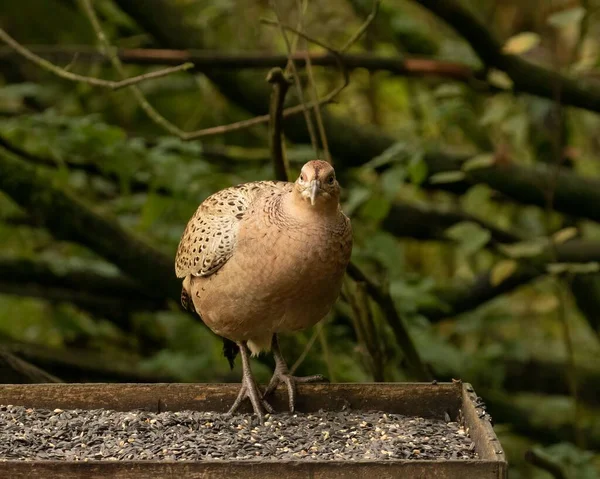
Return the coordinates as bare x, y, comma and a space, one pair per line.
356, 198
525, 249
470, 236
564, 235
497, 109
502, 270
392, 179
521, 43
417, 169
392, 154
376, 207
500, 79
574, 268
448, 90
480, 161
447, 177
566, 18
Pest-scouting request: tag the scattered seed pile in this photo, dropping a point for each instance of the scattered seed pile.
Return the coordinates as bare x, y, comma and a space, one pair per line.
38, 434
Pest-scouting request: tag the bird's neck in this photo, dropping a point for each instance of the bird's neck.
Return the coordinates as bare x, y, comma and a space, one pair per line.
298, 207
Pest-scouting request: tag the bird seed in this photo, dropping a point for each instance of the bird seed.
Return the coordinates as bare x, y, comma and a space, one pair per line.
91, 435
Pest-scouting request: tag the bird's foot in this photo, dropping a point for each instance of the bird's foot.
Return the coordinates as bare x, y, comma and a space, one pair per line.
281, 374
250, 390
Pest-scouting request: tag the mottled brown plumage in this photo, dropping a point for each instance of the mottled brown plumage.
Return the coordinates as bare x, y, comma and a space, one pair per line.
264, 258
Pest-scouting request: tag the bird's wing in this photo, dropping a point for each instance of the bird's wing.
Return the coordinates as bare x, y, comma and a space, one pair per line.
210, 236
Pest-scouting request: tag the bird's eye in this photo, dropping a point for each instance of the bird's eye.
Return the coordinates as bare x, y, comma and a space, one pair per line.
331, 180
302, 177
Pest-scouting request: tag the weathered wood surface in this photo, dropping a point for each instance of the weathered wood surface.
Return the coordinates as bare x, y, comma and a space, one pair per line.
411, 399
480, 430
413, 469
417, 399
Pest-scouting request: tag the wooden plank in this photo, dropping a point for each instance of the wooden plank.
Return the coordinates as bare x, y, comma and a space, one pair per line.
415, 399
411, 399
252, 470
481, 432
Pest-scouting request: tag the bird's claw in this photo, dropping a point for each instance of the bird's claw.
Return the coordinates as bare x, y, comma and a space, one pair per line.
282, 375
259, 404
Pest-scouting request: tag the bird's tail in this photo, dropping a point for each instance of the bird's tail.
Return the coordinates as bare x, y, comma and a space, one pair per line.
230, 351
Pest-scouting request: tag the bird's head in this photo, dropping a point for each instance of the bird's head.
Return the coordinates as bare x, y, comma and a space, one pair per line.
317, 184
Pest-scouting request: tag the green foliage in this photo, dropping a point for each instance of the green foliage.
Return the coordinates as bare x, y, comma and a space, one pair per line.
100, 146
469, 236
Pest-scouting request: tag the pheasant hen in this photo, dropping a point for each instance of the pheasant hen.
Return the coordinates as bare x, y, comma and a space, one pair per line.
264, 258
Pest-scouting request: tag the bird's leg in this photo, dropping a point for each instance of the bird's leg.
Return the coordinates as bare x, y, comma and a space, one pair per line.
282, 373
249, 388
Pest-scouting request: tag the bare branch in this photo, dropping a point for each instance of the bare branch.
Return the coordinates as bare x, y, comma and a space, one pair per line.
386, 303
161, 120
352, 40
281, 84
308, 347
526, 76
315, 98
14, 370
291, 67
207, 60
81, 365
67, 75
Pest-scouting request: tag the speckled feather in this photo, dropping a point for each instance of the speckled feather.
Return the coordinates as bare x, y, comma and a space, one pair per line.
210, 236
260, 258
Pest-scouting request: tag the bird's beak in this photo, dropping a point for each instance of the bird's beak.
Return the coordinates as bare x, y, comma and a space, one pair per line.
313, 191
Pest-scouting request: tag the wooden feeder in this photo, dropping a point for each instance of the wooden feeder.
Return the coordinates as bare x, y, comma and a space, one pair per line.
438, 401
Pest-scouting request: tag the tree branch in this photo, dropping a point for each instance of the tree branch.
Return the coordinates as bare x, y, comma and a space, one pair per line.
425, 222
69, 218
165, 21
574, 194
207, 61
281, 84
77, 365
384, 300
113, 297
586, 292
67, 75
14, 370
466, 297
355, 145
526, 77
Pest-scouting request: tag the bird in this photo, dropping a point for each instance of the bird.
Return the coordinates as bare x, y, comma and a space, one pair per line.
263, 258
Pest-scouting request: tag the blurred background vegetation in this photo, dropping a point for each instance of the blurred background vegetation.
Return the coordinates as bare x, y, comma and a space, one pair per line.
467, 146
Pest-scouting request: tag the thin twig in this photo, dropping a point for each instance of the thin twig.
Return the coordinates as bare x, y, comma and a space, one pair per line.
315, 98
281, 84
326, 356
308, 347
362, 321
558, 144
67, 75
161, 120
316, 102
331, 95
386, 303
292, 69
363, 28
